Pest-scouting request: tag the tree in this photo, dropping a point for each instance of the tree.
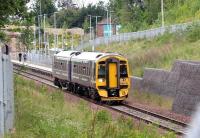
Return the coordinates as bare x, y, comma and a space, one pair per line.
66, 4
46, 7
76, 17
11, 8
27, 34
86, 25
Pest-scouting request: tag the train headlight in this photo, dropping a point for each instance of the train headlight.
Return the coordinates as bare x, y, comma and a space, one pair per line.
101, 80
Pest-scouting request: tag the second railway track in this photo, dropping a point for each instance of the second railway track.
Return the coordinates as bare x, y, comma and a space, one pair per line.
141, 114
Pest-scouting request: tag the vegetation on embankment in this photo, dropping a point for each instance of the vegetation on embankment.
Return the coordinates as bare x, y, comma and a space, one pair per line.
39, 113
150, 99
140, 15
160, 52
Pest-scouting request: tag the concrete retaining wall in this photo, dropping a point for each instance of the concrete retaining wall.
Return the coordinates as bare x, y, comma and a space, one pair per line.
182, 83
188, 87
156, 81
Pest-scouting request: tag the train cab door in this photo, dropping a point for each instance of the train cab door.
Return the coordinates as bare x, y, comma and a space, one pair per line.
112, 67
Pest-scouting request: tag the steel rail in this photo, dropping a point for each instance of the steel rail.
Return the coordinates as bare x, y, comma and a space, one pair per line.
159, 120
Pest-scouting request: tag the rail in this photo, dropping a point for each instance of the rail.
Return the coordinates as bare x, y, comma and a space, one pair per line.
141, 114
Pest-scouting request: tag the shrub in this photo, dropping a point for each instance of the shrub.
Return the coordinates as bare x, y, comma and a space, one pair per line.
103, 116
193, 32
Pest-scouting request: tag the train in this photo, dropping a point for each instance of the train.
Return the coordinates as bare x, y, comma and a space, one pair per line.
100, 76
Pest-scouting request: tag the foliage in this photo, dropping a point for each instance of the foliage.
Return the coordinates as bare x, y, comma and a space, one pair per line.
3, 36
11, 8
86, 25
47, 7
193, 32
27, 38
160, 52
150, 99
76, 17
136, 15
46, 114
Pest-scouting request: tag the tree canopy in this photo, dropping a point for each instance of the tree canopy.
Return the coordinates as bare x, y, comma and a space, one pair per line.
11, 8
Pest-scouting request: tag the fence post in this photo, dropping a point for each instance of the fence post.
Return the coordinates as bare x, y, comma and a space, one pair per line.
6, 91
1, 98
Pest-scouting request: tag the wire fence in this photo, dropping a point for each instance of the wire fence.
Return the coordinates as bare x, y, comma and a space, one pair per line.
33, 58
149, 34
6, 92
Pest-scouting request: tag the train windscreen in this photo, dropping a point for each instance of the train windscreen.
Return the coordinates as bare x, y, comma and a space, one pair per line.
123, 71
102, 72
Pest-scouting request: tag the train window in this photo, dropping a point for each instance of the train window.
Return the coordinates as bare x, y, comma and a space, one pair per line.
84, 70
123, 71
75, 68
102, 72
122, 62
102, 62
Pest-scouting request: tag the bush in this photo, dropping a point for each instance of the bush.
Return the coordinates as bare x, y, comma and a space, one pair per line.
193, 32
103, 116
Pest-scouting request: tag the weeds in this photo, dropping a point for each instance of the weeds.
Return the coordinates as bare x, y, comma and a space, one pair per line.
152, 99
47, 114
159, 52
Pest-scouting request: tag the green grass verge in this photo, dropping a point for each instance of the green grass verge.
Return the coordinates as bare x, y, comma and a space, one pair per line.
41, 114
150, 99
159, 52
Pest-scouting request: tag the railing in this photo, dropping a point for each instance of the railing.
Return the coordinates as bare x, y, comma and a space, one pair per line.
151, 33
34, 58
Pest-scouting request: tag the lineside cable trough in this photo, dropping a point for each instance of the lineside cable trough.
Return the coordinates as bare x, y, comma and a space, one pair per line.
6, 91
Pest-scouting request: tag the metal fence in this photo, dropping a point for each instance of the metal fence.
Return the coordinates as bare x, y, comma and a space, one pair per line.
151, 33
34, 58
6, 92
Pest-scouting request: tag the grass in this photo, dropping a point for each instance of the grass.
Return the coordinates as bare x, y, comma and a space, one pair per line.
152, 100
40, 114
159, 52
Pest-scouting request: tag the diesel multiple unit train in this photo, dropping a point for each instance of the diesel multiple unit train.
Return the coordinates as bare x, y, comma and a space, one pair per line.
100, 76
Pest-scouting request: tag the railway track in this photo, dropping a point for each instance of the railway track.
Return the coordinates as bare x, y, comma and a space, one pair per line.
132, 111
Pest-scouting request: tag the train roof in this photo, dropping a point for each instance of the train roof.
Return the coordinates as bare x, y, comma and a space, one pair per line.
93, 56
65, 54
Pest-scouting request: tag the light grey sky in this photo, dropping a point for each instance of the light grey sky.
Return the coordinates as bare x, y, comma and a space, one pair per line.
79, 2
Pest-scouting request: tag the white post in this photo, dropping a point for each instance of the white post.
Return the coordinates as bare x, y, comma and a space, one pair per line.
110, 23
1, 99
44, 35
55, 43
107, 27
162, 12
35, 41
90, 27
96, 23
48, 44
39, 40
93, 41
6, 93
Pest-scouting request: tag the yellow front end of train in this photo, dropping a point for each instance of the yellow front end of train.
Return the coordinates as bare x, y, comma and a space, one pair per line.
112, 78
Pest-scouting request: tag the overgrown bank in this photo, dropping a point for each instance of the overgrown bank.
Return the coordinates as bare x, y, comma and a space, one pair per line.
159, 52
46, 114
